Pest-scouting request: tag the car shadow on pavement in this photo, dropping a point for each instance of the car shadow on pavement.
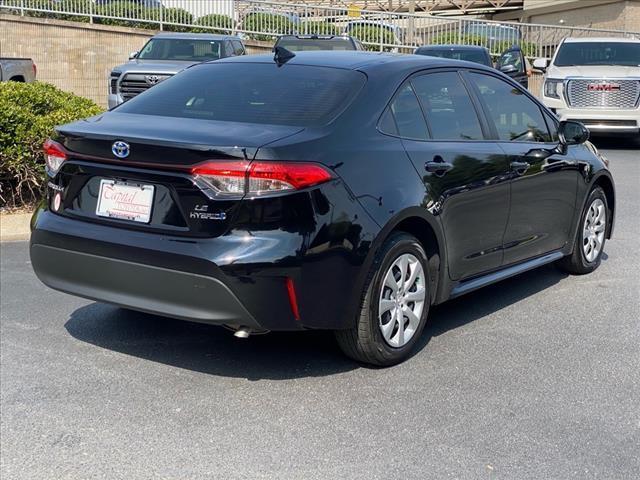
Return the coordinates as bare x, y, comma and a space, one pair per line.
275, 356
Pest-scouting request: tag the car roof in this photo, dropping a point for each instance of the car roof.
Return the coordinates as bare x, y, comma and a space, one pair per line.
601, 39
453, 47
358, 60
196, 36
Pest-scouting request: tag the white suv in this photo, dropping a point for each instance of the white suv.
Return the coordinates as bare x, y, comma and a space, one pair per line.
595, 81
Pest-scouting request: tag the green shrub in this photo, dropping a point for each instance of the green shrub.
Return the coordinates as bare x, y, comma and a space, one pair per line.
176, 15
319, 28
28, 114
372, 34
217, 23
128, 9
267, 22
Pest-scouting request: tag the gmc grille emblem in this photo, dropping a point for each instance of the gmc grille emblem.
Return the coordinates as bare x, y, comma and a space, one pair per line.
603, 87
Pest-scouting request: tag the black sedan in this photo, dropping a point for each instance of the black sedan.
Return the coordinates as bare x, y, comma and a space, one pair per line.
348, 191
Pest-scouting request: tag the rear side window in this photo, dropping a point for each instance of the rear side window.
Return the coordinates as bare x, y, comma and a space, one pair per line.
517, 118
238, 49
296, 95
408, 115
448, 107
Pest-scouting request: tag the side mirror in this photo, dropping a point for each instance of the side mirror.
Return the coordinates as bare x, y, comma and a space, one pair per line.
509, 69
572, 133
133, 55
541, 64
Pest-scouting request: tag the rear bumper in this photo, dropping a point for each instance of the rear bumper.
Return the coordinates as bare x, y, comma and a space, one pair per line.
174, 277
147, 288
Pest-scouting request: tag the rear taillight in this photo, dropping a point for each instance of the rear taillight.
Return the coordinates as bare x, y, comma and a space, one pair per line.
35, 69
236, 178
54, 156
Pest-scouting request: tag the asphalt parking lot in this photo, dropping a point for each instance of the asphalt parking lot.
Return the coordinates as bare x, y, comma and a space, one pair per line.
536, 377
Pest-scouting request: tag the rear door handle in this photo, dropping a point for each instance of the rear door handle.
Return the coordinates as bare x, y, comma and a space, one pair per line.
438, 166
520, 167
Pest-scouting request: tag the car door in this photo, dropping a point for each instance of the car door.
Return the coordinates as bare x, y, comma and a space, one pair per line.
513, 64
465, 176
543, 184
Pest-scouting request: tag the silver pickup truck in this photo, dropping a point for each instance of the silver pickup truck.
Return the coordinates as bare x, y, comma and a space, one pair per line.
165, 55
17, 70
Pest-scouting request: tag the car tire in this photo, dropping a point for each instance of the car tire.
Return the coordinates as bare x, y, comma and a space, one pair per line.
391, 319
590, 237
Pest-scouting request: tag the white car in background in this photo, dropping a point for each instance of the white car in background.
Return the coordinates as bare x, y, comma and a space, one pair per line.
595, 81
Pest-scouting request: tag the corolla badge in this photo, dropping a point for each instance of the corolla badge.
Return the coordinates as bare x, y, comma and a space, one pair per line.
120, 149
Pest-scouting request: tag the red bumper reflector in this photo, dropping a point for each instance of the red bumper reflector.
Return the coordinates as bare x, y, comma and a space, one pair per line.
293, 301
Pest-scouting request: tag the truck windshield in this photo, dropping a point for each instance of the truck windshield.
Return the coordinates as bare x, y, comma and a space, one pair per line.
598, 53
182, 49
296, 95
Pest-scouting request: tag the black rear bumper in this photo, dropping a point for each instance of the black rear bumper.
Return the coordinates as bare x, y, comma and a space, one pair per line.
190, 279
151, 289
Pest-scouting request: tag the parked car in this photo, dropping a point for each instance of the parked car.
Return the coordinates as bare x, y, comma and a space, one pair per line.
512, 62
297, 43
164, 55
494, 33
17, 70
595, 81
468, 53
348, 191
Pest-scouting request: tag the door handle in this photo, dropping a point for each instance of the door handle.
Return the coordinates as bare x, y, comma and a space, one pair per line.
520, 167
438, 166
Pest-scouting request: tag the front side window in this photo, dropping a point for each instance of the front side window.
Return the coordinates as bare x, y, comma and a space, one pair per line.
448, 107
408, 115
296, 95
517, 118
181, 49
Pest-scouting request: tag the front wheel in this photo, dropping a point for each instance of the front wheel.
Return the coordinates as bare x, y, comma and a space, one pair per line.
394, 307
591, 236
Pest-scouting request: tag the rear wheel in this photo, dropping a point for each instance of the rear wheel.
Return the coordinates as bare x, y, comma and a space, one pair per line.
394, 307
591, 236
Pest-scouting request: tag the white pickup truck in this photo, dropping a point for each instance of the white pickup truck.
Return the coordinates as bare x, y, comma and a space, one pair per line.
595, 81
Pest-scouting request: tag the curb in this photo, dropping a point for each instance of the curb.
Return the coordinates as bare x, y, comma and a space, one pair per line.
15, 227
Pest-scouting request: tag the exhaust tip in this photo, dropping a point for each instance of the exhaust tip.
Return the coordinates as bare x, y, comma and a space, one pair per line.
242, 332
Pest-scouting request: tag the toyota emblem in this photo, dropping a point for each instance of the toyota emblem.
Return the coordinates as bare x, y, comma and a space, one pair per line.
120, 149
151, 79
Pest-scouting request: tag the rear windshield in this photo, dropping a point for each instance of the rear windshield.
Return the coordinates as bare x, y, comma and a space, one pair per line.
469, 56
297, 95
301, 44
600, 53
181, 49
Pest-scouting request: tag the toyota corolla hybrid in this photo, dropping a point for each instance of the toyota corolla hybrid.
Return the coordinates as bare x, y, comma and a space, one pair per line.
348, 191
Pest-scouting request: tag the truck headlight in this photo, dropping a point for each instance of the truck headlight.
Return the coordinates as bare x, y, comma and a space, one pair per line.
552, 87
113, 81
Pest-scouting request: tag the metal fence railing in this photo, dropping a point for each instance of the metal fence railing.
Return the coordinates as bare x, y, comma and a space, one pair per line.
263, 20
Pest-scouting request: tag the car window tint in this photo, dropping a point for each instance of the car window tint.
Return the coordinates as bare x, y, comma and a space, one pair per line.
516, 116
408, 115
448, 108
387, 123
298, 95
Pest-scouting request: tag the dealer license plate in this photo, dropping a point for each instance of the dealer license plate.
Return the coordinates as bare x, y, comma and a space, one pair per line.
125, 201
